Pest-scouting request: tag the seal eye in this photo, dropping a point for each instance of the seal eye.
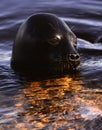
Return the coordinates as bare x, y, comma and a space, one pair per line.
55, 40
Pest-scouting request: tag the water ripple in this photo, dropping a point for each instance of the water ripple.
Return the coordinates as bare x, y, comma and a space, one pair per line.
84, 21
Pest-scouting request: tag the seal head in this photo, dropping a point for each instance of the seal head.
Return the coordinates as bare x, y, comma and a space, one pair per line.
44, 45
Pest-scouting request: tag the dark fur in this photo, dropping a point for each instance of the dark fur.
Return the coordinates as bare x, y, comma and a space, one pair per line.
42, 46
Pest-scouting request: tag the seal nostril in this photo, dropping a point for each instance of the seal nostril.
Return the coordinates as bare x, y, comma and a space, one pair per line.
77, 56
74, 57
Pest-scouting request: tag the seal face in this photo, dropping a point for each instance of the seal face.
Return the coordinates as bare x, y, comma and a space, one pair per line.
44, 45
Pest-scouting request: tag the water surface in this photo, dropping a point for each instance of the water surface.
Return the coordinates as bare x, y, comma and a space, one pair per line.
71, 102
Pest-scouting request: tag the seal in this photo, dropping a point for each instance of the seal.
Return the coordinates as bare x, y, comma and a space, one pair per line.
44, 45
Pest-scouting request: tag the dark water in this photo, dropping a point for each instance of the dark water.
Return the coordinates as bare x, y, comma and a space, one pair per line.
72, 102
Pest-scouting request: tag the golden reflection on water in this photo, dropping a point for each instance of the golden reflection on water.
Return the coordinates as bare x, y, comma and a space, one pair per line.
53, 88
58, 101
61, 103
49, 101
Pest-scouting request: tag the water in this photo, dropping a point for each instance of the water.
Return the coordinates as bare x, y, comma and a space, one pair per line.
72, 102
